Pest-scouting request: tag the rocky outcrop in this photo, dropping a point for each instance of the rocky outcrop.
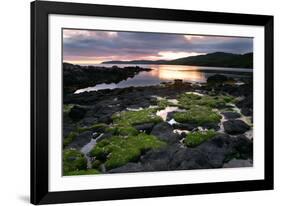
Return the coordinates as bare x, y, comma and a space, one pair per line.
229, 149
76, 76
214, 153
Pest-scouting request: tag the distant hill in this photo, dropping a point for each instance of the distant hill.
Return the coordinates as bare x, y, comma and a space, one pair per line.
137, 62
218, 59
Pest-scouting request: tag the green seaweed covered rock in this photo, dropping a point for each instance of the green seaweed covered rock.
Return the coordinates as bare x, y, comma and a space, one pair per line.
198, 115
117, 151
188, 100
136, 117
73, 160
196, 138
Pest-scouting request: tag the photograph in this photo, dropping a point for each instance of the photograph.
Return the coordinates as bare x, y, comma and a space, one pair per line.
150, 102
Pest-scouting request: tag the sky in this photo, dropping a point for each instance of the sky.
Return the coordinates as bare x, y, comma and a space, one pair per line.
95, 47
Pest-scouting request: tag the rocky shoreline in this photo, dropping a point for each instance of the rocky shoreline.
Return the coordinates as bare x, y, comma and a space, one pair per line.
171, 126
76, 76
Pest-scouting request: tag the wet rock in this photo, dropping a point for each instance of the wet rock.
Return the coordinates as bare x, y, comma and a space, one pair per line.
211, 154
238, 163
81, 140
246, 105
174, 157
164, 131
234, 127
76, 113
159, 160
243, 146
147, 127
104, 112
231, 115
187, 158
194, 159
217, 149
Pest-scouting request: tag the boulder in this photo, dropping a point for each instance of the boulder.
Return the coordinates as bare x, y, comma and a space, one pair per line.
235, 127
187, 158
164, 131
217, 150
174, 157
243, 146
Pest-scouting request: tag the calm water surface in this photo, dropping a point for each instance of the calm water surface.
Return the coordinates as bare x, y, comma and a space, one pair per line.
168, 73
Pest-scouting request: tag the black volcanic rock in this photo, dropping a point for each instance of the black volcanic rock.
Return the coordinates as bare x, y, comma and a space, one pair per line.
164, 131
235, 127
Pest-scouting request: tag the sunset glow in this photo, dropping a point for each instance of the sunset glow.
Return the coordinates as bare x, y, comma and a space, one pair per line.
175, 55
94, 47
168, 72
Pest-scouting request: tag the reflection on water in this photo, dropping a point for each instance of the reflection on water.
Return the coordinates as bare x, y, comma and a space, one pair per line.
171, 72
167, 73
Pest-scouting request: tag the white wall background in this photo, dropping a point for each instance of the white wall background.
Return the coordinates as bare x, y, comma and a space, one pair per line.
14, 103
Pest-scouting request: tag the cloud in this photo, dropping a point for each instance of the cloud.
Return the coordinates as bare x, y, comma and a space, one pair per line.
110, 45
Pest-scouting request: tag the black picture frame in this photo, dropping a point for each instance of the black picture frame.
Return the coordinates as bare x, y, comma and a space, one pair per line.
39, 102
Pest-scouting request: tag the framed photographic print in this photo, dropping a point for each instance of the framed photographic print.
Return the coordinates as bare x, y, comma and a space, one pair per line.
131, 102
